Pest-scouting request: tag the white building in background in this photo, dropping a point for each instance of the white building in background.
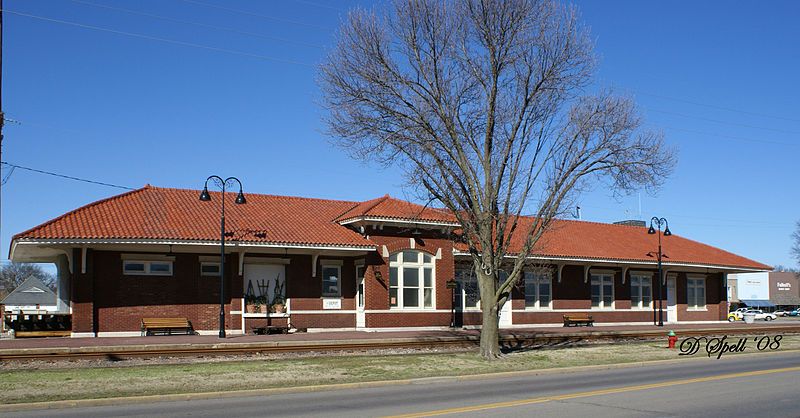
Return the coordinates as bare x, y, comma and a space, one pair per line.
752, 289
31, 295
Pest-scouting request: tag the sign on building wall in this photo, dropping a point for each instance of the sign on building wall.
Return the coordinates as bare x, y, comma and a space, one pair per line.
752, 286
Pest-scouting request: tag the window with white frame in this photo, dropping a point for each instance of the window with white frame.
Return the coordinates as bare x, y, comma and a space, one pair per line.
602, 290
411, 277
641, 290
147, 268
209, 269
696, 293
331, 280
468, 295
538, 290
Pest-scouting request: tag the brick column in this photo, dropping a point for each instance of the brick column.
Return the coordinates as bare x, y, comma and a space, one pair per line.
83, 312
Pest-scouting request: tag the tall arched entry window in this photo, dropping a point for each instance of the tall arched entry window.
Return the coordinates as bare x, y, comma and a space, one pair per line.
411, 278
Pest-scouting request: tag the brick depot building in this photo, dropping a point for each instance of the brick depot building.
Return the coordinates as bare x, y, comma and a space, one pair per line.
374, 265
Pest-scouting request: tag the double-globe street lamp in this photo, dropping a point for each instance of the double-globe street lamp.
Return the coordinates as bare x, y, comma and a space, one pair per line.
240, 200
656, 224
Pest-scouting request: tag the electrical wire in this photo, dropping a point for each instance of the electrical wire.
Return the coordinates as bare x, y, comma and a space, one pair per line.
249, 13
50, 173
155, 38
203, 25
712, 106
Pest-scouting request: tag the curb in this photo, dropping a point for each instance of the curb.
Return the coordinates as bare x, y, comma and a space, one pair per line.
137, 400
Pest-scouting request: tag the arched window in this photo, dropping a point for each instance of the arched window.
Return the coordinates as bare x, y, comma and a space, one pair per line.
411, 278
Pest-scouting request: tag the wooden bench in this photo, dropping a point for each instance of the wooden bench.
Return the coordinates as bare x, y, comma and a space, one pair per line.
578, 320
166, 326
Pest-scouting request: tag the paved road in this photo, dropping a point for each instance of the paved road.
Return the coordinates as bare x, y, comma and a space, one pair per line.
758, 385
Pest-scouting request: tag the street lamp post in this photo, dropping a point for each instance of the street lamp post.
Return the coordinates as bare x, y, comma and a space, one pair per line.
206, 197
656, 224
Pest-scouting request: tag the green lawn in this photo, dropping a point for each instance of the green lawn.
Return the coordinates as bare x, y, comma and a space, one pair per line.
26, 385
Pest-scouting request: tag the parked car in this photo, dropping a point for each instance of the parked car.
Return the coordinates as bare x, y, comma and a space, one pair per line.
795, 312
734, 316
781, 312
761, 314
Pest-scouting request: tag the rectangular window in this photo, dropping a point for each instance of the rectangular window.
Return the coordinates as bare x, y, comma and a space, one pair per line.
331, 286
602, 290
147, 268
209, 269
696, 293
411, 280
360, 283
393, 286
468, 294
538, 290
641, 291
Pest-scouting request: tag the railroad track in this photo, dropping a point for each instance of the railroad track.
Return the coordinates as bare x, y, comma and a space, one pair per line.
518, 341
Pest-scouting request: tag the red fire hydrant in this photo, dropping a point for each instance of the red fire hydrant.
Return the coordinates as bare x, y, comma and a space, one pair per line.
673, 339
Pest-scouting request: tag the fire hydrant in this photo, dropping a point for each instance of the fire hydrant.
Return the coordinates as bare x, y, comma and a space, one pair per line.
673, 339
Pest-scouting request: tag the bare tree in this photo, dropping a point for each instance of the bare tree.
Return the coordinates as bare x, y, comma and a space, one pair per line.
482, 101
13, 274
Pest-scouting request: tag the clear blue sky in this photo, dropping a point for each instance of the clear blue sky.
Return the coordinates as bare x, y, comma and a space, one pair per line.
720, 78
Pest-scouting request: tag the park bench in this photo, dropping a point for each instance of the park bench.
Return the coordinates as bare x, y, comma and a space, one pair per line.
166, 326
578, 320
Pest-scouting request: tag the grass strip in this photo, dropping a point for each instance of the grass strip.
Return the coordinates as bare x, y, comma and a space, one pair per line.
22, 386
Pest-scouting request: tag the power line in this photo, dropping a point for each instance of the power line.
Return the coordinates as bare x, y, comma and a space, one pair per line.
49, 173
737, 138
728, 109
204, 25
723, 122
249, 13
165, 40
324, 6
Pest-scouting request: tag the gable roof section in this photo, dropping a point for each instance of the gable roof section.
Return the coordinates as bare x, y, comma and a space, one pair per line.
609, 242
391, 209
31, 292
177, 214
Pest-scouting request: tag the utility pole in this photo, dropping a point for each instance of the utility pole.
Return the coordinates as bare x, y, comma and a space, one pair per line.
2, 115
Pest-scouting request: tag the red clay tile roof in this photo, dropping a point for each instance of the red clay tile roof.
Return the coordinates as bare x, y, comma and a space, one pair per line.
162, 213
387, 207
600, 241
178, 214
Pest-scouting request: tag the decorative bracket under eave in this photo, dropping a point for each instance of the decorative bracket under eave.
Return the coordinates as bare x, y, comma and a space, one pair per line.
560, 267
241, 262
586, 273
314, 258
83, 260
624, 274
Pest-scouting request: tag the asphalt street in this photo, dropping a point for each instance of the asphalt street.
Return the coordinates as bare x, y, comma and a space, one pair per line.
753, 385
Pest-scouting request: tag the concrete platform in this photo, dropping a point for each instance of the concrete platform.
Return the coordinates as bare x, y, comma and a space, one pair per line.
328, 339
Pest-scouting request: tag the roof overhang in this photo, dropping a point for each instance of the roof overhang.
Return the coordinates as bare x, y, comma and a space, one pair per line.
48, 250
401, 222
632, 263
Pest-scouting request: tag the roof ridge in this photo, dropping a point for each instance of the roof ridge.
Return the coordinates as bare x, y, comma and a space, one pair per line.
258, 194
82, 208
376, 200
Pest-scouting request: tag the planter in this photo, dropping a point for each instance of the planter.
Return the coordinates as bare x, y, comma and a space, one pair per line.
279, 308
251, 308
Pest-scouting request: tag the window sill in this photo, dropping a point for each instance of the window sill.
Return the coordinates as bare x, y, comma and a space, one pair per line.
532, 309
264, 315
696, 309
602, 309
412, 310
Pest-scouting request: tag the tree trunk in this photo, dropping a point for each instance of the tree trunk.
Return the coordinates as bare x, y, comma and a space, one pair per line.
490, 331
490, 324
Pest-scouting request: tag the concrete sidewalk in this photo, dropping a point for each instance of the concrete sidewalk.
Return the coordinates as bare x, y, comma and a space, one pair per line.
328, 339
